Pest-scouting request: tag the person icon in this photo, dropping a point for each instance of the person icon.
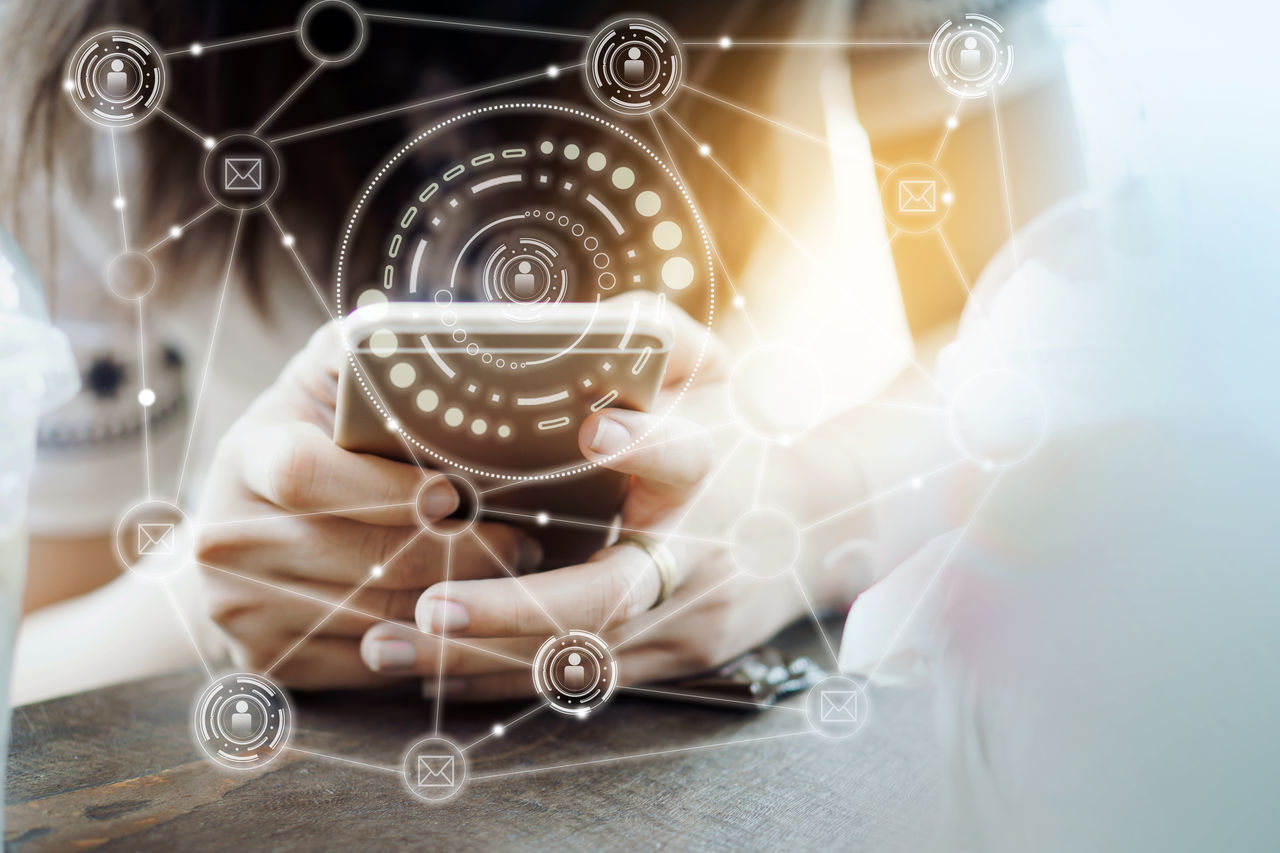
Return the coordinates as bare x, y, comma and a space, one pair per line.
575, 674
523, 283
971, 57
117, 80
633, 67
241, 720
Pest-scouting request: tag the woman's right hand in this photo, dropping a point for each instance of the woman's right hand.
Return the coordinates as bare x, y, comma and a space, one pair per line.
290, 526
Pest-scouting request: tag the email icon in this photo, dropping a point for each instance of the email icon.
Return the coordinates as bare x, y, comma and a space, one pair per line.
242, 174
918, 196
838, 706
156, 538
436, 771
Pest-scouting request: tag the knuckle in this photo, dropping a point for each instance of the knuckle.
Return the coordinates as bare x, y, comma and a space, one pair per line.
292, 470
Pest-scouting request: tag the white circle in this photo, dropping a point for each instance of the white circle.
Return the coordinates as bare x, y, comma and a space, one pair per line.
547, 147
383, 343
677, 273
453, 416
402, 374
154, 539
131, 275
333, 59
434, 770
916, 197
504, 431
468, 506
765, 543
998, 418
575, 673
778, 392
147, 397
479, 426
596, 161
623, 178
667, 235
242, 721
572, 151
837, 707
428, 400
648, 203
374, 302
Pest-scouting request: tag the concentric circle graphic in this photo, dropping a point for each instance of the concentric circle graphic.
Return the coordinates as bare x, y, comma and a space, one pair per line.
633, 66
522, 205
575, 673
243, 721
116, 78
969, 57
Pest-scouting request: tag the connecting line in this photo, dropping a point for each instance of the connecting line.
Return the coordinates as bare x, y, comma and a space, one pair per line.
946, 133
119, 199
357, 611
142, 382
654, 624
276, 517
519, 582
689, 507
472, 24
724, 268
905, 484
439, 704
789, 44
946, 560
567, 521
182, 617
341, 605
342, 760
182, 125
184, 226
252, 38
763, 706
288, 98
639, 755
1008, 212
213, 339
817, 622
506, 726
747, 111
365, 118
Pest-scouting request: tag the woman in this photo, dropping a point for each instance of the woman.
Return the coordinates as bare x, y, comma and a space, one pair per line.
272, 577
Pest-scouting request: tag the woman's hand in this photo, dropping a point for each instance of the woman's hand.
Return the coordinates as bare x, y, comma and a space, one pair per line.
291, 526
685, 490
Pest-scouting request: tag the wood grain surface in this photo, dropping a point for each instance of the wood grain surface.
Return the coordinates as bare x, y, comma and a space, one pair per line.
117, 769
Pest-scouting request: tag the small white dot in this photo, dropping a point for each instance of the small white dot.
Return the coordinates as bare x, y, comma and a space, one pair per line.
572, 151
543, 518
916, 482
948, 197
175, 231
704, 149
453, 416
504, 431
402, 374
376, 571
479, 426
118, 203
196, 48
428, 400
953, 123
209, 142
726, 42
553, 71
739, 302
146, 397
498, 729
582, 713
69, 85
287, 241
596, 161
393, 424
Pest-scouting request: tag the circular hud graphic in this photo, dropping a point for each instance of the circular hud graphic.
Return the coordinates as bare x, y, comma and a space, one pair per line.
633, 66
116, 78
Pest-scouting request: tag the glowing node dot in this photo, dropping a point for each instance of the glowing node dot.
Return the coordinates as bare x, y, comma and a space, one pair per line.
596, 161
393, 425
428, 400
704, 149
916, 482
376, 571
175, 231
623, 178
146, 397
739, 302
287, 241
571, 151
648, 203
118, 203
953, 123
543, 518
498, 729
725, 42
453, 416
504, 431
196, 48
69, 85
209, 142
948, 197
553, 71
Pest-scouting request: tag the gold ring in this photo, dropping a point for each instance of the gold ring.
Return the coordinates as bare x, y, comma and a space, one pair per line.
663, 560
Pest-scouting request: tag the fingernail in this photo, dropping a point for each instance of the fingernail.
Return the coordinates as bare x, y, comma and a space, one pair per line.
441, 617
611, 436
439, 500
528, 555
452, 687
392, 655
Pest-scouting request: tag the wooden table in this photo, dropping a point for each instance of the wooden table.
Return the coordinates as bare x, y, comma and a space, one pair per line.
117, 768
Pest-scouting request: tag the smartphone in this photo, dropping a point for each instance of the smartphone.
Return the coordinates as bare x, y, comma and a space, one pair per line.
496, 393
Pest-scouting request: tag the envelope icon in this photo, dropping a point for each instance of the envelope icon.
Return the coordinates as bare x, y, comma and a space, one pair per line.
838, 706
243, 174
918, 196
155, 538
436, 771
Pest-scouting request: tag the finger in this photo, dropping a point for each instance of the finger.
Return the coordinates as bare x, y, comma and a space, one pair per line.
693, 348
619, 583
395, 650
327, 663
298, 468
338, 551
674, 452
